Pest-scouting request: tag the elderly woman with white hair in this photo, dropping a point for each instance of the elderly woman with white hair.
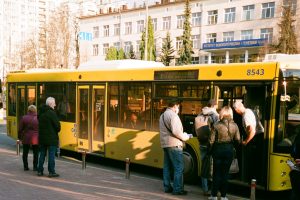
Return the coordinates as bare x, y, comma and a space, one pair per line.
222, 137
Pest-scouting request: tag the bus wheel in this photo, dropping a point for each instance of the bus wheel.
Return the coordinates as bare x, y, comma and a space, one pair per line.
190, 165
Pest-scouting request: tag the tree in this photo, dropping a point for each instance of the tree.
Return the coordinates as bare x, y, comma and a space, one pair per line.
167, 51
186, 49
131, 53
287, 42
150, 42
121, 54
112, 54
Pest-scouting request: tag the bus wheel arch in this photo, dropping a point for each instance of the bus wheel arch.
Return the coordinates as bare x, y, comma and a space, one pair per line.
190, 165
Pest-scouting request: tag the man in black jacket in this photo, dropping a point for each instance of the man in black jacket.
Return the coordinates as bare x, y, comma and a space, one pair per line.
49, 126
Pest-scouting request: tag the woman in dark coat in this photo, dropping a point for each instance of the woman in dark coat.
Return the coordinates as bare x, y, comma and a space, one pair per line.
222, 136
28, 134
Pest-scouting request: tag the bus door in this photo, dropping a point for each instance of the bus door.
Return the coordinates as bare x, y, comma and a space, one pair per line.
90, 118
83, 119
26, 96
98, 101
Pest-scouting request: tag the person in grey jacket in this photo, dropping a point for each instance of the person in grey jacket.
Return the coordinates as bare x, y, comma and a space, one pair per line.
171, 139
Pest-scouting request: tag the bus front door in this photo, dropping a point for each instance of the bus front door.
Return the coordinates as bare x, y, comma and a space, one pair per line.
90, 118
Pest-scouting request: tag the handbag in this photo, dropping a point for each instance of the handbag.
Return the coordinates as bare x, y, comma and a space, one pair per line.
234, 167
207, 167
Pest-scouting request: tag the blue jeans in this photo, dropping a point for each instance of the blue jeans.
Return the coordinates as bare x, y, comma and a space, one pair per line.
203, 153
173, 158
51, 158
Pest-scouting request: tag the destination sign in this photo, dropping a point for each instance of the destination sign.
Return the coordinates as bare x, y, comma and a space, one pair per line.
176, 75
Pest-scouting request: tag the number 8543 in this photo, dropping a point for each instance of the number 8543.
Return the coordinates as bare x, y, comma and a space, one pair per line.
255, 72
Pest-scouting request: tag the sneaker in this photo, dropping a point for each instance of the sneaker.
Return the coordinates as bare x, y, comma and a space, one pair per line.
183, 192
51, 175
212, 198
40, 173
224, 198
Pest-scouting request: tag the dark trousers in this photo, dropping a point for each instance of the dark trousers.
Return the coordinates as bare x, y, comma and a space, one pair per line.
35, 149
295, 182
222, 158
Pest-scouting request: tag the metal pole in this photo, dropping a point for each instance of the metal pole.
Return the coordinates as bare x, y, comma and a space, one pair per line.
83, 160
253, 187
127, 175
18, 147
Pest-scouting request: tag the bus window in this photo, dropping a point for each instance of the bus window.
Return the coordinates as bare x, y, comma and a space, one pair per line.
113, 99
135, 105
12, 99
289, 117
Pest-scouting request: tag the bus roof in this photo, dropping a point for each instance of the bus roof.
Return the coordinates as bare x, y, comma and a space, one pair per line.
119, 64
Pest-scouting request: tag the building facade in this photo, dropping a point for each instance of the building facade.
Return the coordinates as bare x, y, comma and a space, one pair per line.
223, 31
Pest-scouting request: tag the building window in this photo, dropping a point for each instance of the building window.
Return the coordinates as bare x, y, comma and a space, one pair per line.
127, 46
212, 17
154, 23
117, 45
266, 33
229, 15
95, 49
196, 41
178, 43
106, 30
180, 20
195, 60
117, 29
248, 12
137, 47
96, 31
128, 28
228, 36
196, 19
211, 37
268, 10
140, 26
166, 23
246, 34
105, 48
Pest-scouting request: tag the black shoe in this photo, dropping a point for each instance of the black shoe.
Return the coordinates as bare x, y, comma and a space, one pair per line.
26, 169
183, 192
169, 190
35, 169
40, 173
51, 175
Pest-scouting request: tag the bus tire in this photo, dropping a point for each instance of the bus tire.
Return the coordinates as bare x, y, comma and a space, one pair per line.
190, 165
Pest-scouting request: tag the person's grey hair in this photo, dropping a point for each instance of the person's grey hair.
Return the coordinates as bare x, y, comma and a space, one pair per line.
32, 109
50, 101
238, 104
227, 112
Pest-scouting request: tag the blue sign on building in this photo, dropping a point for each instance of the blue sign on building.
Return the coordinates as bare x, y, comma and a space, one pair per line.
235, 44
85, 36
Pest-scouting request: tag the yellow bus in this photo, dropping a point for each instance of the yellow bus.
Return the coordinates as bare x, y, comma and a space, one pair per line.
113, 111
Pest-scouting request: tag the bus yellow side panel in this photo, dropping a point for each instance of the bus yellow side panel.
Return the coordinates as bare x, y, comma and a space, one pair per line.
279, 173
67, 136
12, 129
142, 147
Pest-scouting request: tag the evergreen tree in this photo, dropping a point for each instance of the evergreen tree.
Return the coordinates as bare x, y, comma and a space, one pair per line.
112, 54
287, 42
167, 51
131, 53
150, 45
142, 45
121, 54
186, 49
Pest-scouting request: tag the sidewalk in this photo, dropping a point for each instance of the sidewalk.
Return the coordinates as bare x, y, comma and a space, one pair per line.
96, 182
